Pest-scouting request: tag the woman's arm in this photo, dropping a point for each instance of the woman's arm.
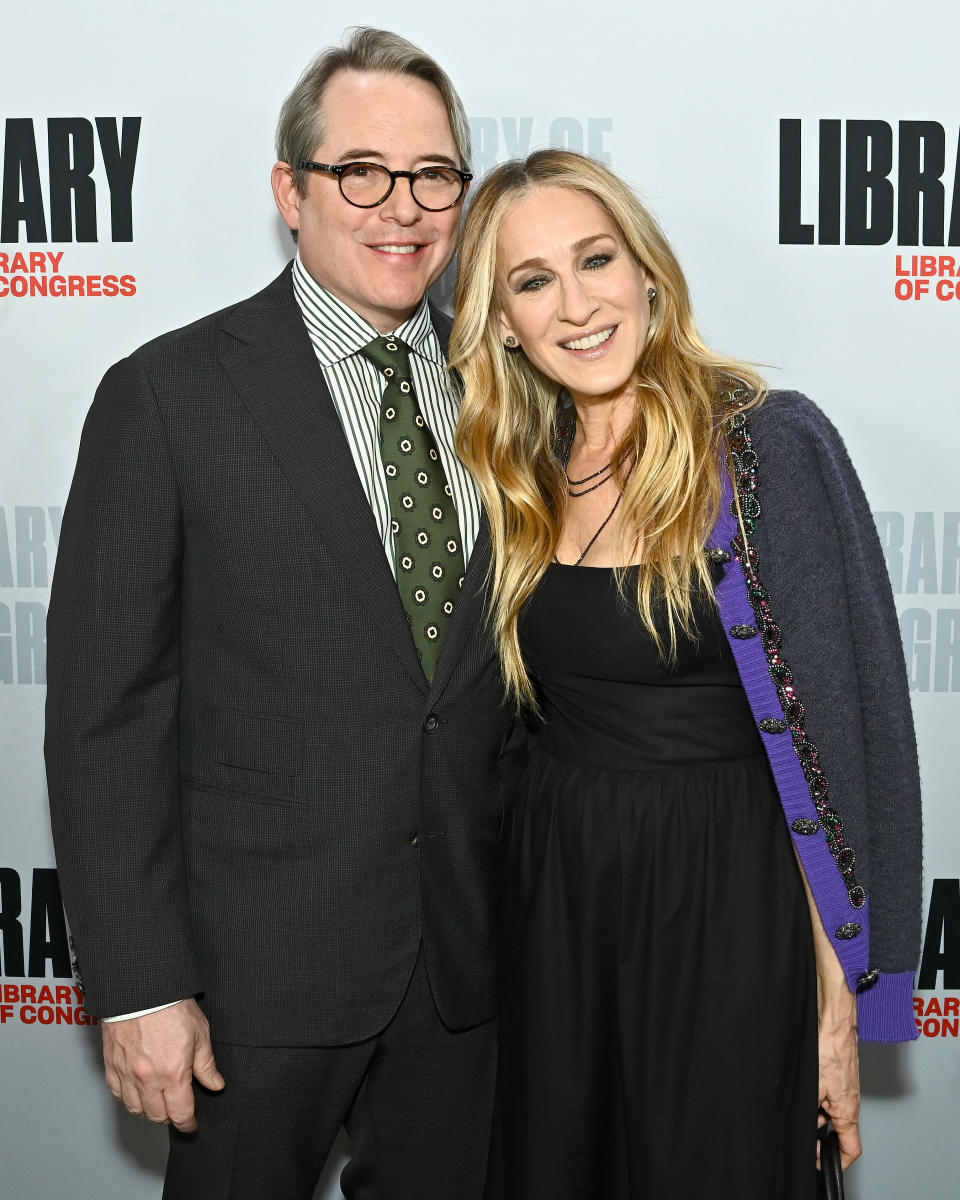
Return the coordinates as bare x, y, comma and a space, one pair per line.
839, 1086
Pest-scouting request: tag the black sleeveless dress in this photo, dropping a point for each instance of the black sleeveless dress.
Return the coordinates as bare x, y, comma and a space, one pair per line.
658, 1017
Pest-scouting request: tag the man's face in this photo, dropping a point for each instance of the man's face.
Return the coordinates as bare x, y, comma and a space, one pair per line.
379, 261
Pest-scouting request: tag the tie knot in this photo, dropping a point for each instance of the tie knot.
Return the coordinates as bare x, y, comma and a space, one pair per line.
390, 356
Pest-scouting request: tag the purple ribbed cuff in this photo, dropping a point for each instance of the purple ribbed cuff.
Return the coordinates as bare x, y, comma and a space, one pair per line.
885, 1009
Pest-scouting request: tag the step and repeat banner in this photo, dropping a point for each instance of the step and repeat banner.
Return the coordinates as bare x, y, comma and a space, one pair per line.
804, 162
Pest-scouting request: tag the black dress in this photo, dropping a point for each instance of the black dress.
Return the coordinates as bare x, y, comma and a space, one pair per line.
659, 1029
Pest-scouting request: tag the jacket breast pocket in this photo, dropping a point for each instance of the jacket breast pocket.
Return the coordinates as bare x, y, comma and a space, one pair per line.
249, 753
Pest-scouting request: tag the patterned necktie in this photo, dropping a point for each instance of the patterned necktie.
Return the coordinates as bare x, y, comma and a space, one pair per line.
426, 534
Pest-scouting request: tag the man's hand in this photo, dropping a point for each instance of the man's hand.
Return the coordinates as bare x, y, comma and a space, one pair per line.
151, 1061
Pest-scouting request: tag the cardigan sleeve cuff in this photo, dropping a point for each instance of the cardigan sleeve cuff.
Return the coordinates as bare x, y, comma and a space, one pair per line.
885, 1009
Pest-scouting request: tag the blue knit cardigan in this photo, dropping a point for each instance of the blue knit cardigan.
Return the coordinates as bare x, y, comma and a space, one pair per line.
809, 615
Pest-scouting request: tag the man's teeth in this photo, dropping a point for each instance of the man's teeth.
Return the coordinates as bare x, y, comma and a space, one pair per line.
588, 343
409, 249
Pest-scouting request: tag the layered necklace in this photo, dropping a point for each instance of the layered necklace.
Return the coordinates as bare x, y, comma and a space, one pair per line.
572, 483
604, 475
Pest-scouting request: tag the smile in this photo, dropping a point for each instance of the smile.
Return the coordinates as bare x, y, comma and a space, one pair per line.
591, 341
406, 248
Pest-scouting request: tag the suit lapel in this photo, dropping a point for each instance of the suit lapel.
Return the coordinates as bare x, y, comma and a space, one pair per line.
272, 365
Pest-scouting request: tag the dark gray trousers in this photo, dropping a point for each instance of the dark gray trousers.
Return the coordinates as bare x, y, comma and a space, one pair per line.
416, 1101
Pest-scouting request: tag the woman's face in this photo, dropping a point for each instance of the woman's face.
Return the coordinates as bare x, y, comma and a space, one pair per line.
571, 292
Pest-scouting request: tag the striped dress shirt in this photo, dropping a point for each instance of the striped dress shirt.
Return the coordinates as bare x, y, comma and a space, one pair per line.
356, 386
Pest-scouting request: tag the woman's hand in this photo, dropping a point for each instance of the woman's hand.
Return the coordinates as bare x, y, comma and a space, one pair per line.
839, 1089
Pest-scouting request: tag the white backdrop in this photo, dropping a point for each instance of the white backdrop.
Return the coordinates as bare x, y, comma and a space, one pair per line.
686, 100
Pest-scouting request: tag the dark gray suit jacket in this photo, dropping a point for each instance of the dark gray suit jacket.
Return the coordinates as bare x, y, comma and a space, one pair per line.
256, 795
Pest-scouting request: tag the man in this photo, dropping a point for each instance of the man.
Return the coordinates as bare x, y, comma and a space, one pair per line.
273, 713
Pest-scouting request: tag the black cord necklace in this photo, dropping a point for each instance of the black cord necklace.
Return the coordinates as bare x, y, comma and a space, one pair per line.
586, 491
566, 450
587, 478
589, 546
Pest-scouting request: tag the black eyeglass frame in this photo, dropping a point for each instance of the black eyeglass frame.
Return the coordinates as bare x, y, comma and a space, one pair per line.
338, 169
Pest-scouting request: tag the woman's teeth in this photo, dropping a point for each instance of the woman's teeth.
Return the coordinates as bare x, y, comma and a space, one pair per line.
588, 343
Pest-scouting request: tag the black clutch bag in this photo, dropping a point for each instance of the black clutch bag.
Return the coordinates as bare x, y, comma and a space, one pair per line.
830, 1175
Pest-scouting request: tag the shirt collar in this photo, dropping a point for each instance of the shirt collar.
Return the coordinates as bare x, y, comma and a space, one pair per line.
337, 332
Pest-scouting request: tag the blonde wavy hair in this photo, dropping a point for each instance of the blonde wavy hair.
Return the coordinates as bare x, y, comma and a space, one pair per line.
669, 463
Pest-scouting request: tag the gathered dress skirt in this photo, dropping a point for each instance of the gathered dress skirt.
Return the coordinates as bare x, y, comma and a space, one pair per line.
658, 1014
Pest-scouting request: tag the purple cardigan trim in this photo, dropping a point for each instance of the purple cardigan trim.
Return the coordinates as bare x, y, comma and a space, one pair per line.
823, 874
885, 1010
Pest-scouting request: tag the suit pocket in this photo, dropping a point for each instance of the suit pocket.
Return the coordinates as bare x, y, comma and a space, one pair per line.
247, 742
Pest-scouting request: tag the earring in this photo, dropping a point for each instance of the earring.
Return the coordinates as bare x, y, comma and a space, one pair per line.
510, 341
651, 294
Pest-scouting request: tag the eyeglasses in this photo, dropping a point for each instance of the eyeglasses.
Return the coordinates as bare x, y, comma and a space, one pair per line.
366, 184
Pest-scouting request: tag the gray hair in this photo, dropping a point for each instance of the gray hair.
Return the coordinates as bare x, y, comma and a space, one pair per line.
300, 128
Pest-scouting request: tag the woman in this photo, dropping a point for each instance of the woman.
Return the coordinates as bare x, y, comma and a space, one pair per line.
692, 610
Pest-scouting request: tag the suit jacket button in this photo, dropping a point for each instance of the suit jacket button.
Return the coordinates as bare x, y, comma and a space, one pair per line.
431, 723
414, 838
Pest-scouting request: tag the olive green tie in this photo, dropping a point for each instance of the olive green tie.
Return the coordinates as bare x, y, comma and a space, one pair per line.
426, 533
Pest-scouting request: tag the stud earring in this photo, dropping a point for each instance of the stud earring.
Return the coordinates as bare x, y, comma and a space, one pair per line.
651, 294
510, 341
